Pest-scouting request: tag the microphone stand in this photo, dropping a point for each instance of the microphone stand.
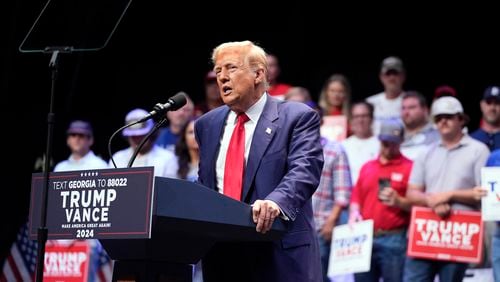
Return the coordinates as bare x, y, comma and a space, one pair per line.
143, 141
42, 229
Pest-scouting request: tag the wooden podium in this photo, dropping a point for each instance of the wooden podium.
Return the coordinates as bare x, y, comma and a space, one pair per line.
188, 219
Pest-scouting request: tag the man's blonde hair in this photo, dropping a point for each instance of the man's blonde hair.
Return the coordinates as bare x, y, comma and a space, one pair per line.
255, 56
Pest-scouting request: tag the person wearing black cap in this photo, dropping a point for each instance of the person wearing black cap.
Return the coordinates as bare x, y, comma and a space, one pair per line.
80, 139
489, 131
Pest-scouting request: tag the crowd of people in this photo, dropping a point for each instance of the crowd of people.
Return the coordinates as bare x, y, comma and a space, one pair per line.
289, 171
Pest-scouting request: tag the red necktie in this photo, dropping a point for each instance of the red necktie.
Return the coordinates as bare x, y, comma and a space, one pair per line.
235, 160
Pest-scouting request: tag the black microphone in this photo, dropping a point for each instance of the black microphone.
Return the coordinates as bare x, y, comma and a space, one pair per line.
173, 103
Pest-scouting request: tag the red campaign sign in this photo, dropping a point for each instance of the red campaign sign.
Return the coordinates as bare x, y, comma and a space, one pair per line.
66, 262
457, 238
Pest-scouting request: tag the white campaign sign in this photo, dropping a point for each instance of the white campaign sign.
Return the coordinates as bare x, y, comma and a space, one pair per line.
490, 205
351, 248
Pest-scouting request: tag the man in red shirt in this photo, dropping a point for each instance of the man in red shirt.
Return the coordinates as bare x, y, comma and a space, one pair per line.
379, 194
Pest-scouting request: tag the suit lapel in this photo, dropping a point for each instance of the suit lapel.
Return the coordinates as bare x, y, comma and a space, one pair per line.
263, 134
214, 132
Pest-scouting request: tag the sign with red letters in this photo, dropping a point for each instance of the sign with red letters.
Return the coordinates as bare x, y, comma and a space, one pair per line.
66, 262
457, 238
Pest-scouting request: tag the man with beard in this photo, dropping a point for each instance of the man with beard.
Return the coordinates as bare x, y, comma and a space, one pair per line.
489, 132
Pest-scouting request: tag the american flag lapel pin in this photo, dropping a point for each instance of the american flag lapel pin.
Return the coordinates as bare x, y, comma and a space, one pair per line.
268, 130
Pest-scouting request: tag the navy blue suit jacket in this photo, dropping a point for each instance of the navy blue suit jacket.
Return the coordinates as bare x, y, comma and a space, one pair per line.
284, 165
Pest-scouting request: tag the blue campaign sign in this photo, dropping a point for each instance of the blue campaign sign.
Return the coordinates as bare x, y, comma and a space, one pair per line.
98, 204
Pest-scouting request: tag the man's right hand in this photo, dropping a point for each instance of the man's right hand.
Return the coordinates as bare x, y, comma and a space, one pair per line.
442, 210
478, 192
354, 216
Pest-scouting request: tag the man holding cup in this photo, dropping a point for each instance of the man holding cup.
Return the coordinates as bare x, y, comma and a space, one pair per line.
379, 194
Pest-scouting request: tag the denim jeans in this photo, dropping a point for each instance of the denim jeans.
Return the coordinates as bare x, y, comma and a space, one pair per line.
388, 257
495, 254
423, 270
324, 246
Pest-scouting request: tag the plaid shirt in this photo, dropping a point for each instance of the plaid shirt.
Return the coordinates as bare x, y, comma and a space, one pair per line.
335, 183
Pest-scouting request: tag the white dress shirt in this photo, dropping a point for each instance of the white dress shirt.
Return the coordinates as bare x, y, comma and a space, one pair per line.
253, 114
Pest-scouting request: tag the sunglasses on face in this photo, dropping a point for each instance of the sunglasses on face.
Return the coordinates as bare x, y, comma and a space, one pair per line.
438, 118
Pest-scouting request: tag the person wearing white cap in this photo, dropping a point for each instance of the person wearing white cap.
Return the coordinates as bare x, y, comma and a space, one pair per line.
446, 177
164, 161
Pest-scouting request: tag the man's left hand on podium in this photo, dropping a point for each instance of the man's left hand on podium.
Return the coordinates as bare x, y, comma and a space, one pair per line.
264, 212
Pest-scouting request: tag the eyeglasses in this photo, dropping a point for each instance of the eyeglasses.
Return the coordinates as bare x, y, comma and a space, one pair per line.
438, 118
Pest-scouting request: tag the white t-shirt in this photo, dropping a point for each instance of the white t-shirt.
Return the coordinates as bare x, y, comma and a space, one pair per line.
164, 161
384, 108
89, 161
359, 151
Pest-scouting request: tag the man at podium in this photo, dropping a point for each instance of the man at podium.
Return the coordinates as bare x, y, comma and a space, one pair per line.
265, 152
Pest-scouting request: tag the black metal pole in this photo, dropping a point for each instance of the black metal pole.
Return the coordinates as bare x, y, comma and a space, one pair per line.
42, 229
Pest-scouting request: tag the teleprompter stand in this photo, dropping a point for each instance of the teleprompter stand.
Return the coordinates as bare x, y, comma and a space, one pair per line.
62, 28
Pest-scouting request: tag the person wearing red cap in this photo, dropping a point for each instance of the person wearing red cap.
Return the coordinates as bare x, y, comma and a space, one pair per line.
444, 90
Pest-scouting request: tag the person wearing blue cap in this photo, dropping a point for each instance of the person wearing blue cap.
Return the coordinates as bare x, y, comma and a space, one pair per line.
379, 194
80, 138
489, 130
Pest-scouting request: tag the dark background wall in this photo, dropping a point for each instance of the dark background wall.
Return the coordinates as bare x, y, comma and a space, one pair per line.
163, 47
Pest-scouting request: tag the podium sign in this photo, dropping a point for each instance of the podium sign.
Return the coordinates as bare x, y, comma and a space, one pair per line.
97, 204
456, 238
